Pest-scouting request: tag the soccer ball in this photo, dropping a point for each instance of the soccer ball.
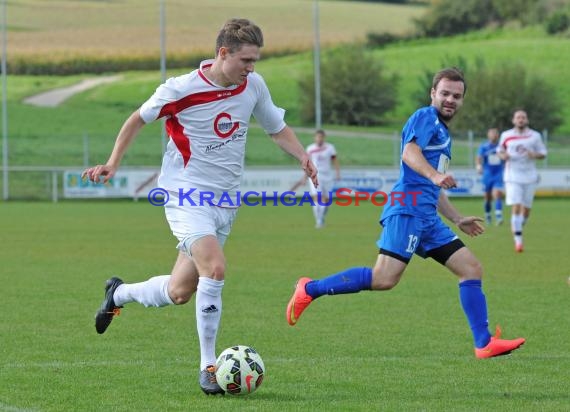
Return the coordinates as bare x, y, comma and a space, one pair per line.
239, 370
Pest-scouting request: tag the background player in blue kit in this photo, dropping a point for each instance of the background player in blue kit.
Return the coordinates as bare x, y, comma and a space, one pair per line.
417, 228
491, 167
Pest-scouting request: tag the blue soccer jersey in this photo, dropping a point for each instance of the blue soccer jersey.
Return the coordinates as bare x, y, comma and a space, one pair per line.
414, 194
492, 164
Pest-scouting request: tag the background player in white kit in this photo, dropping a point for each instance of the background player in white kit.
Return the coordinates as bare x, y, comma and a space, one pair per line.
323, 155
207, 116
520, 147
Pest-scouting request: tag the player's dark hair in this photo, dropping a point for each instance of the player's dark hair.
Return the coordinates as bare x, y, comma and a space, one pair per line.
450, 73
237, 32
321, 132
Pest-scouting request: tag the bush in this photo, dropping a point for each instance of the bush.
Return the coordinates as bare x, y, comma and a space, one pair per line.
557, 22
493, 94
354, 90
449, 17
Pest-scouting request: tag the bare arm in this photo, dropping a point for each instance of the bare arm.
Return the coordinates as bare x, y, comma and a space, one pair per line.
414, 158
469, 225
479, 164
126, 135
336, 165
288, 142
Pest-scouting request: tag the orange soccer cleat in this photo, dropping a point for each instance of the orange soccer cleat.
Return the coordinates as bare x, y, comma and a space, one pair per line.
498, 346
299, 301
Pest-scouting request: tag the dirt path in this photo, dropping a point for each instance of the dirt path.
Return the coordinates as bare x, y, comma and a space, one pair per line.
55, 97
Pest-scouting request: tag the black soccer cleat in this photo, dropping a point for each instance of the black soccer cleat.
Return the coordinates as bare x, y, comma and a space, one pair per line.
208, 381
108, 309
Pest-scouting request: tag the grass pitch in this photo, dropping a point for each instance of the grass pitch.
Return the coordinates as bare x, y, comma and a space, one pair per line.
406, 349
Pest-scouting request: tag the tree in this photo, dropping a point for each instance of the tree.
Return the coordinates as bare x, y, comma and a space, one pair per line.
493, 94
449, 17
354, 89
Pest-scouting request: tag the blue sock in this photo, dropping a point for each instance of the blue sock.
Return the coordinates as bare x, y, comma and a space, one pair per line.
475, 307
487, 206
499, 205
352, 280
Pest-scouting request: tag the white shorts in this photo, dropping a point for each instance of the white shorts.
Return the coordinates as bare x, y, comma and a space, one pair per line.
519, 194
190, 223
325, 185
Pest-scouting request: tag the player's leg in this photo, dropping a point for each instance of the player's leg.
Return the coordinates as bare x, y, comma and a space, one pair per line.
207, 253
322, 202
528, 198
176, 288
210, 263
514, 198
395, 253
448, 250
324, 199
487, 198
314, 192
154, 291
498, 197
469, 271
443, 245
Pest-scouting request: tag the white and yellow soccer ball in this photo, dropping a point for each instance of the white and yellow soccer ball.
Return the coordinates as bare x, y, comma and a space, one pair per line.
239, 370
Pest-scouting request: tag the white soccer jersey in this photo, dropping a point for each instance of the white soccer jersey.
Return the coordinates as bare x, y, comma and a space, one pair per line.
322, 159
519, 168
207, 125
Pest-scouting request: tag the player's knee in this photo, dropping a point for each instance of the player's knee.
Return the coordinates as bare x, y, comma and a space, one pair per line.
218, 270
472, 270
380, 282
180, 296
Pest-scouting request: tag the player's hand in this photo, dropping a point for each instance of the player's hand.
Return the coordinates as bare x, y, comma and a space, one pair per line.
471, 225
95, 174
444, 181
310, 170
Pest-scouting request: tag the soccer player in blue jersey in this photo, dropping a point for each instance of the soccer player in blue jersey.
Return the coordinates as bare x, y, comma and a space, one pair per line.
412, 224
491, 167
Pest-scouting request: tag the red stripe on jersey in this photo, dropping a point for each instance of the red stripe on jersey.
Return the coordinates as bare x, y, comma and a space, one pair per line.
176, 132
508, 139
173, 126
317, 150
203, 76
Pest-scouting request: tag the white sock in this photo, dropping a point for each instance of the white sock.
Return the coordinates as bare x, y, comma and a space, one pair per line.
321, 213
316, 212
208, 315
153, 292
518, 223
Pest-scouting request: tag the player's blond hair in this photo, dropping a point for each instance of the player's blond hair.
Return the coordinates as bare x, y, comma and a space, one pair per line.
237, 32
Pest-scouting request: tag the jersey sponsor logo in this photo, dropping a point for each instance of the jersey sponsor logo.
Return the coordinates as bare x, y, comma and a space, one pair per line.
223, 125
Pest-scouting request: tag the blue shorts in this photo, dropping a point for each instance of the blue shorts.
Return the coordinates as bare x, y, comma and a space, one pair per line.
491, 182
404, 235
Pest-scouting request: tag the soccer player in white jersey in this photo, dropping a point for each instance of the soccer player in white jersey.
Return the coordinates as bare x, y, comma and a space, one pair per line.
207, 116
520, 147
323, 155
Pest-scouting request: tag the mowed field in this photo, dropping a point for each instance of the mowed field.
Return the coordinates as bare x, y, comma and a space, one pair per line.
402, 350
63, 28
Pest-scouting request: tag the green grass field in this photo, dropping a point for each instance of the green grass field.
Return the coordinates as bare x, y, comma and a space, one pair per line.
406, 349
